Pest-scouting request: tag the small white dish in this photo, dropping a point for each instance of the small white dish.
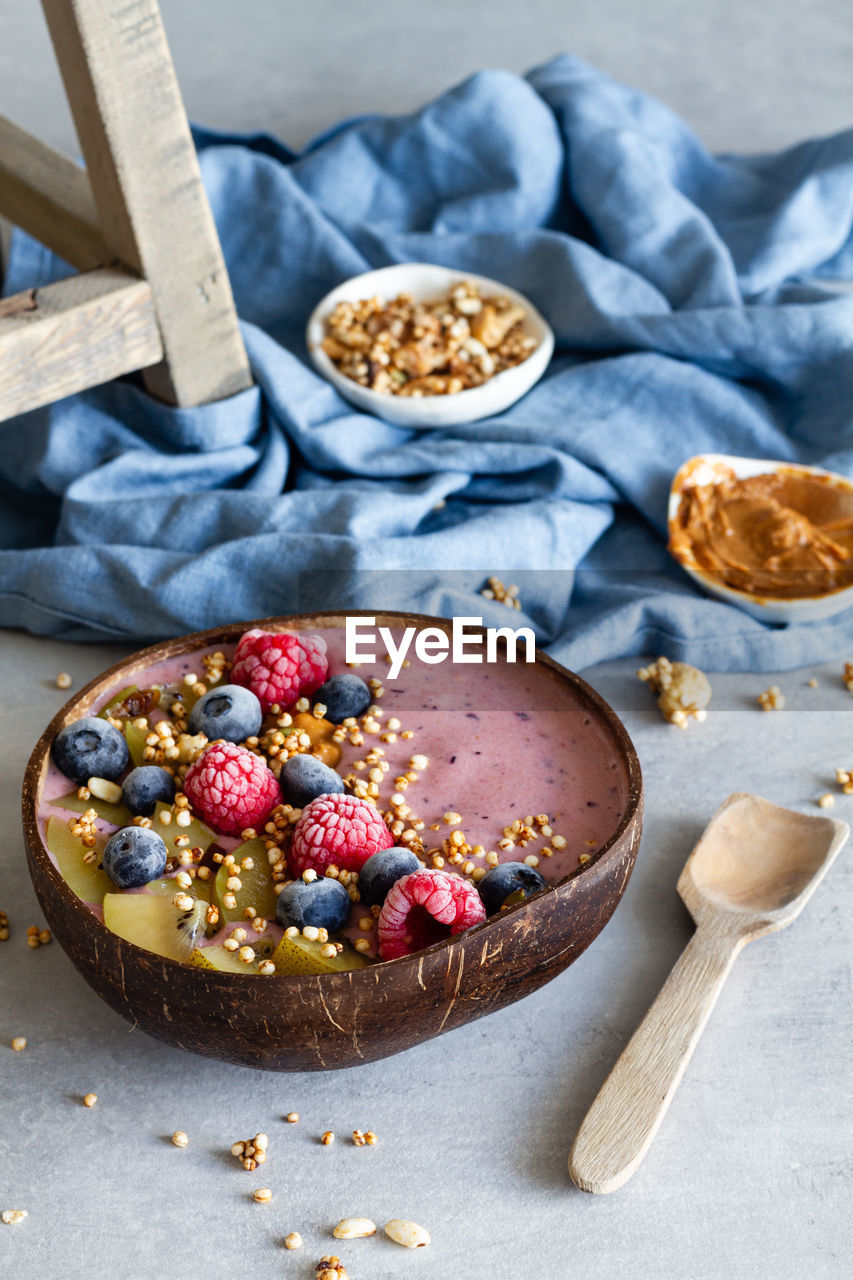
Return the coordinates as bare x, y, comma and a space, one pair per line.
708, 468
425, 283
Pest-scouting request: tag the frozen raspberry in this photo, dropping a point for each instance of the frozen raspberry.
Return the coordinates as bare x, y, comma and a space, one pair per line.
337, 829
279, 666
231, 789
424, 907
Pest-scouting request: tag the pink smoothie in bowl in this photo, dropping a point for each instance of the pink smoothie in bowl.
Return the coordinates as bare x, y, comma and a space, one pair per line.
468, 765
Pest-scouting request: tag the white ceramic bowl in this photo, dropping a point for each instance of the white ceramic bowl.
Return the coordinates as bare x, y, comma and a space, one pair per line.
426, 283
706, 468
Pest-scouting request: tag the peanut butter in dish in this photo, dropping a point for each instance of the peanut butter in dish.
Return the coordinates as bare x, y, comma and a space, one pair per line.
785, 534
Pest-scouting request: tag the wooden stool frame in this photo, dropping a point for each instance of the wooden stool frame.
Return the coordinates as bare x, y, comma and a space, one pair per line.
153, 292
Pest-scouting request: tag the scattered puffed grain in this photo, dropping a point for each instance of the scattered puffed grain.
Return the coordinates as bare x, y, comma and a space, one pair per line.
293, 1240
826, 801
179, 1138
13, 1216
19, 1043
63, 680
327, 1138
89, 1099
262, 1195
292, 1117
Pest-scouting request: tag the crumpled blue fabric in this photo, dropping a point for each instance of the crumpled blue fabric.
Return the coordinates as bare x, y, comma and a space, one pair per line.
691, 300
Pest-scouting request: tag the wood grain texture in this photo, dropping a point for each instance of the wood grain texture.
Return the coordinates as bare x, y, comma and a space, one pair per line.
621, 1124
750, 874
339, 1019
50, 198
62, 338
146, 183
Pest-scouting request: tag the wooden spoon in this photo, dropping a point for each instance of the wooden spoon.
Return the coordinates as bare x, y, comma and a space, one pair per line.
752, 872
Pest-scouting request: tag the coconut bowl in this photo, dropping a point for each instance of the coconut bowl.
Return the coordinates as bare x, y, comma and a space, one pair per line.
318, 1022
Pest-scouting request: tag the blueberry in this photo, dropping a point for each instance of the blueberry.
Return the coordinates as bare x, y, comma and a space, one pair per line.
303, 778
324, 903
229, 712
343, 696
133, 856
382, 870
506, 880
144, 786
90, 748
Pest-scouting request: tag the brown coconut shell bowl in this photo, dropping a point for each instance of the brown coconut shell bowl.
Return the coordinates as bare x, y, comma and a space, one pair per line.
318, 1022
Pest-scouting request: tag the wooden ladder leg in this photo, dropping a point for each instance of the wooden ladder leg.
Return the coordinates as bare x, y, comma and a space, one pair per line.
145, 178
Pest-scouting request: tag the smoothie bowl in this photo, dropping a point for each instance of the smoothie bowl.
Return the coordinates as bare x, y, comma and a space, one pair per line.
260, 853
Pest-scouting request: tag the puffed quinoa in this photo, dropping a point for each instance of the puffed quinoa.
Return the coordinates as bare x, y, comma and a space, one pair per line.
683, 691
495, 590
63, 680
327, 1138
292, 1117
262, 1195
293, 1240
90, 1099
179, 1138
772, 699
826, 801
19, 1043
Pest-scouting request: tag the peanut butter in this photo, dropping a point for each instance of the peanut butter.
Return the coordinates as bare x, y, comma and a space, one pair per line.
785, 534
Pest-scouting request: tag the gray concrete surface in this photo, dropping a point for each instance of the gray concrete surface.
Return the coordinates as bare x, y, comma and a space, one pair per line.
749, 1176
751, 1173
746, 74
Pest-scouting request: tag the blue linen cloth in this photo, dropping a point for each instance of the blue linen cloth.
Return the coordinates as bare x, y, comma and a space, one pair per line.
686, 295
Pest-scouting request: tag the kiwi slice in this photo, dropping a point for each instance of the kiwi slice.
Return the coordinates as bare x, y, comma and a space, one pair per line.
217, 957
299, 955
257, 887
86, 879
197, 833
118, 815
135, 739
168, 885
152, 921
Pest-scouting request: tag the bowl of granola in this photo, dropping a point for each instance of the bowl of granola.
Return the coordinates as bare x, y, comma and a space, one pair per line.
427, 346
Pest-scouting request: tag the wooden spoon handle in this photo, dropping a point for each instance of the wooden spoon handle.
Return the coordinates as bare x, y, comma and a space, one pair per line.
619, 1127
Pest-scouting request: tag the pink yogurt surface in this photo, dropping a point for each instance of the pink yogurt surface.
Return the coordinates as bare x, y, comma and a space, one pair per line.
503, 741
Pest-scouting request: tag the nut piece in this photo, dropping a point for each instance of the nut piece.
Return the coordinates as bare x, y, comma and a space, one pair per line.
13, 1216
105, 790
354, 1229
293, 1240
408, 1234
179, 1138
330, 1267
90, 1099
683, 691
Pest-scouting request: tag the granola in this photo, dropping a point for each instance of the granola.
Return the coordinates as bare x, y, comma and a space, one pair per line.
409, 348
